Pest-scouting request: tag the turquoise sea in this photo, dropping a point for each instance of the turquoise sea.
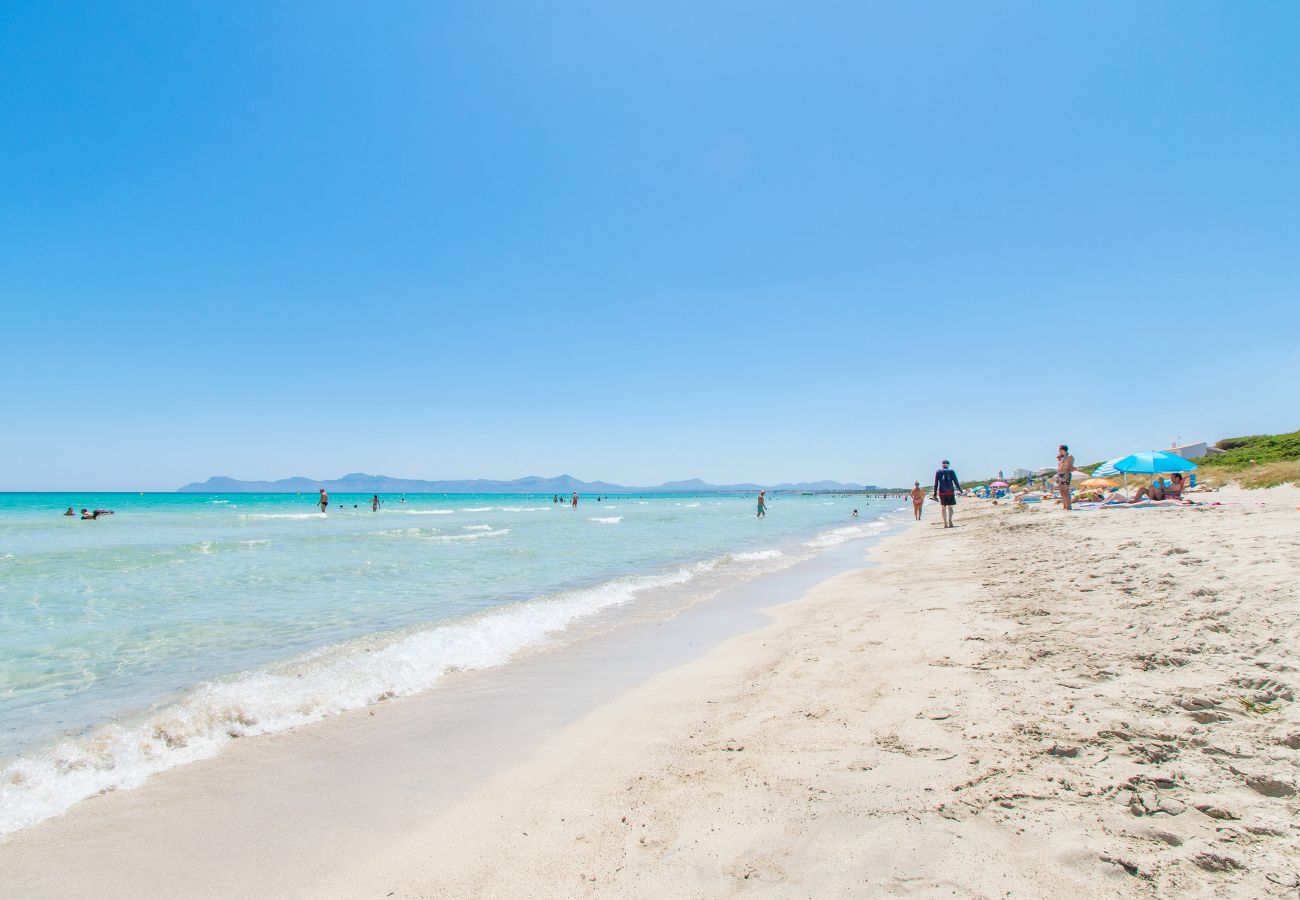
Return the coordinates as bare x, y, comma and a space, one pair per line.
151, 637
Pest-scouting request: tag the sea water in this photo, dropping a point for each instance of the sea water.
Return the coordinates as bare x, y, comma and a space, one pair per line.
154, 636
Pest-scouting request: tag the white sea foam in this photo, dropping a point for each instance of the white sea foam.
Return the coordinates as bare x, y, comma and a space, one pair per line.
435, 536
838, 536
399, 532
756, 555
219, 546
472, 536
608, 520
524, 508
426, 512
318, 515
315, 685
690, 505
476, 509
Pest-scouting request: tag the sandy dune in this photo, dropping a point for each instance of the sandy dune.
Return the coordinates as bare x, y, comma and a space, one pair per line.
1033, 704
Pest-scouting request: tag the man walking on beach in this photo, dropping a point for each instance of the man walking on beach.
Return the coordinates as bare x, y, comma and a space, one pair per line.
1064, 472
918, 498
945, 491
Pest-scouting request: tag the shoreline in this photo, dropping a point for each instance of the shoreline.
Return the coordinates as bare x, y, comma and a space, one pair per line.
1034, 703
468, 727
360, 666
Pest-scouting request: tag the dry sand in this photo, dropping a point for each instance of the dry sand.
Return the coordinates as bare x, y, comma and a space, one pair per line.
1032, 704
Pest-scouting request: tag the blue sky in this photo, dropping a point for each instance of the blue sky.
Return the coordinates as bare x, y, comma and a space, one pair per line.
739, 241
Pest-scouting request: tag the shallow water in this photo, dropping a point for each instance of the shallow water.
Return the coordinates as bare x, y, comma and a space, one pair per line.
153, 636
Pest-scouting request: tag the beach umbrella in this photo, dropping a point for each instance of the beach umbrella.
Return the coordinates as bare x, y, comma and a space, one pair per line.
1107, 468
1150, 462
1153, 461
1096, 482
998, 484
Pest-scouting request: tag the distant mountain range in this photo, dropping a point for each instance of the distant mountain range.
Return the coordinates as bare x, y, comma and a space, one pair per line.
360, 483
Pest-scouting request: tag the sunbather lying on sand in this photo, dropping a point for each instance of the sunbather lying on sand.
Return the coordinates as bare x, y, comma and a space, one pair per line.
1143, 498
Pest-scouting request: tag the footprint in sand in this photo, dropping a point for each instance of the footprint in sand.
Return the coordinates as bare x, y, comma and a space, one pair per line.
754, 866
1215, 862
1266, 690
1265, 784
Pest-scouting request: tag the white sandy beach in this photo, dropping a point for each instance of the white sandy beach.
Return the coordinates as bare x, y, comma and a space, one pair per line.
1033, 704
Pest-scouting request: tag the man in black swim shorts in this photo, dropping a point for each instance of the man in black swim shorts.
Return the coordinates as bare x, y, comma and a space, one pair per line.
945, 491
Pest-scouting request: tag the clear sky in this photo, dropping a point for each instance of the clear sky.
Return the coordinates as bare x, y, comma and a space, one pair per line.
734, 240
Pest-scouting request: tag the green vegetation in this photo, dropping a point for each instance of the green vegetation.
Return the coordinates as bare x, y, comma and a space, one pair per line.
1255, 461
1257, 449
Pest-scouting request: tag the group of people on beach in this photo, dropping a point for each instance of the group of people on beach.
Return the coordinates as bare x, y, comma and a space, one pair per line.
947, 487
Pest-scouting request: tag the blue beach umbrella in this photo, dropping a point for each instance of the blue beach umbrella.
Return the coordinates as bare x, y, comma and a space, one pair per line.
1153, 461
1150, 462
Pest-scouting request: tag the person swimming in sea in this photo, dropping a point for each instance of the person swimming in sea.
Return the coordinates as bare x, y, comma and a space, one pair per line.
69, 512
855, 513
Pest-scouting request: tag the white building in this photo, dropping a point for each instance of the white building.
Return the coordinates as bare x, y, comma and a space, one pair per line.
1017, 474
1192, 451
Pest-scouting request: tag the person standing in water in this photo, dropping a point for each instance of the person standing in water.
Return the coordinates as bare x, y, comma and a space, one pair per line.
918, 499
1064, 473
762, 504
945, 491
575, 499
374, 503
324, 499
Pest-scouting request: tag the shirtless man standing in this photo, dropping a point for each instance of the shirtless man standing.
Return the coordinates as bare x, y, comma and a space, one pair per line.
1064, 472
918, 498
324, 499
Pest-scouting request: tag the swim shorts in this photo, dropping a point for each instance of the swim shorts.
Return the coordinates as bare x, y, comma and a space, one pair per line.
947, 498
